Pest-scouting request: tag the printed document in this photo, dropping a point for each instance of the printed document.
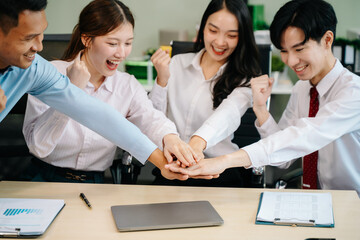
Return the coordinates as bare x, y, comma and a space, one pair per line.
296, 207
28, 216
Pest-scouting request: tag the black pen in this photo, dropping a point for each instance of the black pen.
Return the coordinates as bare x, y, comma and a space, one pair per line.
83, 197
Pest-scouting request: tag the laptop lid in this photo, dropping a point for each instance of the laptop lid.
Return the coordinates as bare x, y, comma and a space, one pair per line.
165, 215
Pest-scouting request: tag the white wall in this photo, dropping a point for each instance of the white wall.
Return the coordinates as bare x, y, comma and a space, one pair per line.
152, 15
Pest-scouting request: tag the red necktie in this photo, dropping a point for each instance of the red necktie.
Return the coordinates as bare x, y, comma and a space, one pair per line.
310, 161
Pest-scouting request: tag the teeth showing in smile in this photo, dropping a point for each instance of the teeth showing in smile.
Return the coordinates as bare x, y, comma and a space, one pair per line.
29, 55
300, 68
114, 62
219, 50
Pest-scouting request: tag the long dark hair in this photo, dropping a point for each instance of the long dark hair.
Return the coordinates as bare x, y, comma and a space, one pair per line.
243, 63
98, 18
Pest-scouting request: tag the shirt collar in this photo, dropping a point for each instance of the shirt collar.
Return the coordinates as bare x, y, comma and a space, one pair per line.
7, 69
324, 85
196, 60
106, 84
196, 63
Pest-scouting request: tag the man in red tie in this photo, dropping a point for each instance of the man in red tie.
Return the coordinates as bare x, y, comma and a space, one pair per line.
322, 119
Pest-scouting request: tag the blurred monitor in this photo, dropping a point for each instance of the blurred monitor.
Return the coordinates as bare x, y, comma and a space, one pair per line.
54, 46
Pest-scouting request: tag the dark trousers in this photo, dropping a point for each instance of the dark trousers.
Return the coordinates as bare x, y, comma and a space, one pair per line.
40, 171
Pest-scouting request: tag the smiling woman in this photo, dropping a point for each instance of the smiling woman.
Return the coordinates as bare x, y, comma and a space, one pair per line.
66, 150
206, 92
103, 54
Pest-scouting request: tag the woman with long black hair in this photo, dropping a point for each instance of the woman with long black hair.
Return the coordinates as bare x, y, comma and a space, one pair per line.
206, 92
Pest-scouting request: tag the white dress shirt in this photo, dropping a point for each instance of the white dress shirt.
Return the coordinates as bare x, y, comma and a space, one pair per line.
187, 101
63, 142
335, 131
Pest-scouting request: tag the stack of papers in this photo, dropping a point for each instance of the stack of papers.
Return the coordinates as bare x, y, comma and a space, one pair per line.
27, 217
296, 208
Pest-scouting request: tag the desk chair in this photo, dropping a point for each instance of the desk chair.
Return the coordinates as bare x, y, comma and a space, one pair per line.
288, 178
178, 47
125, 169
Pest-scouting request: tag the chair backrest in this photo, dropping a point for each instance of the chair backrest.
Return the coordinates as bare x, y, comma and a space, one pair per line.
265, 58
264, 50
54, 46
247, 133
179, 47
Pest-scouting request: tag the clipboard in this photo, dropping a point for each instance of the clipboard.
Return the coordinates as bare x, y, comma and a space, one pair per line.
292, 219
27, 218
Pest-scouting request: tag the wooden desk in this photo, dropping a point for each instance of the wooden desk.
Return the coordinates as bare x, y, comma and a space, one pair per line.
236, 206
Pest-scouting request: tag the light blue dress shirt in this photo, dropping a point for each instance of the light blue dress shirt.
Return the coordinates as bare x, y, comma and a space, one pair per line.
43, 81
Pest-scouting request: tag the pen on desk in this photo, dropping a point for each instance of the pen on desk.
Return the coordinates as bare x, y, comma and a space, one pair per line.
83, 197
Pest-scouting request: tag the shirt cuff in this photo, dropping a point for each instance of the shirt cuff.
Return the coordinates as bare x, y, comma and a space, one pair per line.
158, 97
257, 154
145, 154
206, 132
158, 91
265, 129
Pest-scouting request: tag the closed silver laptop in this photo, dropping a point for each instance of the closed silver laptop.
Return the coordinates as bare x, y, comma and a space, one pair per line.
139, 217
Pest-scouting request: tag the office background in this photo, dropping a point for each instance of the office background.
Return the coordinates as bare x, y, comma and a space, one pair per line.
153, 15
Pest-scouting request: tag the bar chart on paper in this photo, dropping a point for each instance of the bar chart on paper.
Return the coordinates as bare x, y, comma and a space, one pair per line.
31, 216
16, 211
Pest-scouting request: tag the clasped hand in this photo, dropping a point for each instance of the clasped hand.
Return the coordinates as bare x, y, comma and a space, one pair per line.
78, 74
261, 89
161, 60
186, 159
